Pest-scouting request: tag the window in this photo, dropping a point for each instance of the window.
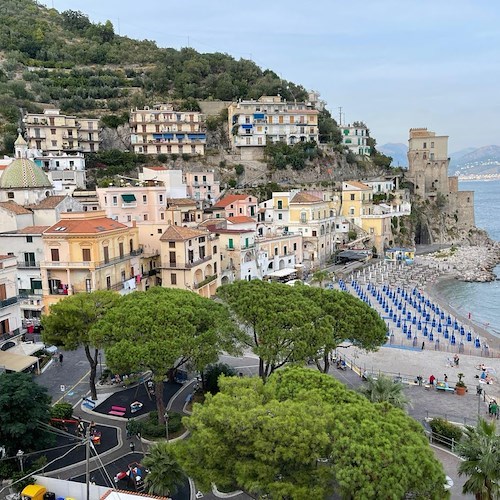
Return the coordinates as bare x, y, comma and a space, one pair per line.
230, 243
54, 254
86, 255
159, 230
53, 131
171, 244
173, 279
280, 205
432, 144
120, 249
172, 257
29, 239
108, 282
144, 199
294, 247
280, 216
275, 250
29, 259
162, 215
115, 201
106, 254
214, 250
425, 145
129, 218
145, 216
10, 195
160, 198
352, 197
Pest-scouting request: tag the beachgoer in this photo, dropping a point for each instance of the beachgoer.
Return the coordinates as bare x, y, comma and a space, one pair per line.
494, 409
61, 357
132, 447
445, 377
432, 378
456, 359
423, 345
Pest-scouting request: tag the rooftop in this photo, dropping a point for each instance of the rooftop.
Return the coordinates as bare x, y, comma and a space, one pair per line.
358, 185
304, 197
14, 207
230, 198
85, 226
240, 219
179, 233
49, 202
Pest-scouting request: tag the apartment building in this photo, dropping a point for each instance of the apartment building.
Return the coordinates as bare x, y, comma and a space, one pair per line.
234, 205
202, 187
10, 313
238, 254
162, 130
357, 201
355, 137
255, 123
53, 132
190, 260
87, 251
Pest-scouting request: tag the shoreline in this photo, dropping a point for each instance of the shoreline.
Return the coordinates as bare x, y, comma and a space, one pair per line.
432, 289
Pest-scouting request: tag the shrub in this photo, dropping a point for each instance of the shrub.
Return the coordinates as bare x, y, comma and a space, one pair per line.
62, 410
446, 429
162, 158
239, 169
149, 427
185, 157
212, 374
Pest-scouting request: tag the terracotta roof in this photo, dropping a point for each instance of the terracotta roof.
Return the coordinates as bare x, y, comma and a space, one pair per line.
85, 226
230, 198
157, 168
14, 207
304, 197
179, 233
3, 167
359, 185
240, 219
49, 202
180, 201
3, 257
232, 231
32, 230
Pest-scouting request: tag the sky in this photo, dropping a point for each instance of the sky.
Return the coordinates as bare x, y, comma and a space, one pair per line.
394, 64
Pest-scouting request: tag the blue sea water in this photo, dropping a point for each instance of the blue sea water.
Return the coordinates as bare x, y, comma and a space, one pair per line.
481, 300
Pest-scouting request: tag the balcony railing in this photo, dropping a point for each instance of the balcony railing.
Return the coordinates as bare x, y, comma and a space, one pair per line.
93, 264
185, 265
206, 281
8, 302
22, 264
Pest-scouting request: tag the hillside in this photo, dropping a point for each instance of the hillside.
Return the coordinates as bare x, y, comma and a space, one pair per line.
482, 162
64, 60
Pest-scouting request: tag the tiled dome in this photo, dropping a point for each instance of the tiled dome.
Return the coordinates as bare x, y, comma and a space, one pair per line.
24, 174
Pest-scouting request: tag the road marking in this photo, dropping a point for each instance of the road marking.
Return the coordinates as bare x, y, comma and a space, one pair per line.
69, 390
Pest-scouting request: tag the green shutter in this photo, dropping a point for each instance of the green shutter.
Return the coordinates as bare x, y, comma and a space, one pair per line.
128, 198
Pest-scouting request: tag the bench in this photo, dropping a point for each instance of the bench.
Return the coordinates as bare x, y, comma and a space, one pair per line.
442, 387
118, 408
117, 413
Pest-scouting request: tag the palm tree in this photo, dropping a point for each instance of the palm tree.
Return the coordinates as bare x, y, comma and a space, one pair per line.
165, 474
480, 449
320, 277
384, 389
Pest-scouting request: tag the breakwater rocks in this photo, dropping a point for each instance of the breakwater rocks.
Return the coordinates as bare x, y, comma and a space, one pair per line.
467, 262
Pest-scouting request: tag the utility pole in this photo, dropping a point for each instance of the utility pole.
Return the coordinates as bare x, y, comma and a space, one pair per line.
340, 115
87, 461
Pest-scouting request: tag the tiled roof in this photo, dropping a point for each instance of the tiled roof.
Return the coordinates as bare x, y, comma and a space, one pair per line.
180, 201
358, 185
32, 230
14, 207
85, 226
240, 219
304, 197
24, 174
179, 233
49, 202
230, 198
157, 168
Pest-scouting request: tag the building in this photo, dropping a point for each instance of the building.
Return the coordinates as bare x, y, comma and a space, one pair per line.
238, 254
52, 132
10, 313
27, 247
202, 187
162, 130
234, 205
255, 123
355, 137
190, 260
65, 171
88, 251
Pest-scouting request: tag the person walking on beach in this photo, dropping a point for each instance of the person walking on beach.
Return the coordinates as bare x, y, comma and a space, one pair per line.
445, 377
423, 346
456, 360
431, 379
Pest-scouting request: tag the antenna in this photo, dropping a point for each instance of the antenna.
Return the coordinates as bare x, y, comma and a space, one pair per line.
340, 115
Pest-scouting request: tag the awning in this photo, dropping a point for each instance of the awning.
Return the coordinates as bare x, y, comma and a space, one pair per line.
246, 125
163, 136
16, 362
128, 198
258, 116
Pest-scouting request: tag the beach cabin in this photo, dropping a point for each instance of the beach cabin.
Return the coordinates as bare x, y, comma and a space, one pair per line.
400, 255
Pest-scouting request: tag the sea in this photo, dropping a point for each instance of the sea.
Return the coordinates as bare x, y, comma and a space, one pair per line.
481, 300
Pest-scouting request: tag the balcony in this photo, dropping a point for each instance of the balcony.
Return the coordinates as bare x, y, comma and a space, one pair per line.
8, 302
92, 264
28, 265
185, 265
206, 281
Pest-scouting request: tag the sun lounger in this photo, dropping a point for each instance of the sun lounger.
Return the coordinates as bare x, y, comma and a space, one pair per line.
116, 413
444, 387
118, 408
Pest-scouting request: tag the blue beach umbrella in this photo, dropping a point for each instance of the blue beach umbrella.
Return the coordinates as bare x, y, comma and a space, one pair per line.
448, 320
419, 325
477, 342
398, 324
433, 322
453, 340
442, 314
425, 331
446, 334
469, 336
440, 328
455, 325
462, 330
408, 316
414, 320
431, 337
405, 328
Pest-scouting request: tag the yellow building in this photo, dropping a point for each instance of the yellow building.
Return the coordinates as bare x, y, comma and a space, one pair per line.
51, 131
86, 251
189, 260
357, 201
162, 130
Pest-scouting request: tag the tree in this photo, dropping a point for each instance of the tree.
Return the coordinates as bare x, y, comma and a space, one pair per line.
161, 330
320, 277
480, 449
280, 322
23, 406
70, 321
303, 435
211, 376
383, 389
165, 474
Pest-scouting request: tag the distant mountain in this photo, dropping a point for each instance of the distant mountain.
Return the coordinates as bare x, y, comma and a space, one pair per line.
397, 152
483, 162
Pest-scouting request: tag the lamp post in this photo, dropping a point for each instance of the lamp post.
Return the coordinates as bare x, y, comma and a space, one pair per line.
19, 455
100, 364
166, 423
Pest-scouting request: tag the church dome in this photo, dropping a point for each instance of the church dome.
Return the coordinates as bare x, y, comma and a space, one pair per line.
24, 174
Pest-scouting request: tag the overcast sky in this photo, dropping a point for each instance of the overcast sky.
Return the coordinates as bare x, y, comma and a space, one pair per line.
394, 64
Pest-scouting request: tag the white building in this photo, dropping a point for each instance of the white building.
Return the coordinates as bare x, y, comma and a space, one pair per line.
10, 312
355, 137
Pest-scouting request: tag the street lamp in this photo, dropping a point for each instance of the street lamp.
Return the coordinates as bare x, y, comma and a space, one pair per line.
166, 422
19, 455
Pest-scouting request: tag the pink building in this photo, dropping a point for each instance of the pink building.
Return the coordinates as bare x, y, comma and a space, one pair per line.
234, 205
202, 187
